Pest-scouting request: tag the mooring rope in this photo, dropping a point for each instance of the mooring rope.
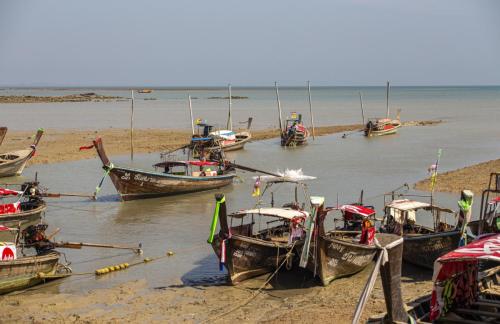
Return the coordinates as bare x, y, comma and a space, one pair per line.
254, 293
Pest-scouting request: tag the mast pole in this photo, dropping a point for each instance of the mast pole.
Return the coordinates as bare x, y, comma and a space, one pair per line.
191, 114
361, 103
230, 118
310, 109
279, 106
387, 99
132, 128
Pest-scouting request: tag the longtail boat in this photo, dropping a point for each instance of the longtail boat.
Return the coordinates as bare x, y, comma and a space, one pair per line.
294, 132
383, 126
177, 177
489, 218
26, 211
209, 139
13, 163
28, 271
422, 244
342, 251
464, 290
256, 241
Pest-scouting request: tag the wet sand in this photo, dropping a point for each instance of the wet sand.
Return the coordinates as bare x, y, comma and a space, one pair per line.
62, 145
292, 299
475, 177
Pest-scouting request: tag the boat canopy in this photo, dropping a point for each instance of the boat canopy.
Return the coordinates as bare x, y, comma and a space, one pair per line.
286, 213
406, 204
359, 210
8, 192
458, 266
224, 134
185, 163
495, 200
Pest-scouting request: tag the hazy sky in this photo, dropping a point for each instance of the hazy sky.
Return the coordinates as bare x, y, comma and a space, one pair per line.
189, 43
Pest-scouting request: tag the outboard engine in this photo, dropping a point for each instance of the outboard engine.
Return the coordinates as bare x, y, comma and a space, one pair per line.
34, 236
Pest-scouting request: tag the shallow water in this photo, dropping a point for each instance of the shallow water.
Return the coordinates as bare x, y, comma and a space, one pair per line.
181, 224
331, 106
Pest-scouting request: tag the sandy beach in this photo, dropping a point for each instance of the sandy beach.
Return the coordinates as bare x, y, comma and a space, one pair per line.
475, 177
135, 302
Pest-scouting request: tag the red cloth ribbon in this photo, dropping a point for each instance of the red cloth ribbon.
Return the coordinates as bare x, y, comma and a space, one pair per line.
88, 147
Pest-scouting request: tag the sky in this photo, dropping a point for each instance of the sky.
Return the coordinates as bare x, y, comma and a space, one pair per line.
249, 43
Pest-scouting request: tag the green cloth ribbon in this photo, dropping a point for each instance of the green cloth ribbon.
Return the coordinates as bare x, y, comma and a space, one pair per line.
213, 227
465, 205
107, 169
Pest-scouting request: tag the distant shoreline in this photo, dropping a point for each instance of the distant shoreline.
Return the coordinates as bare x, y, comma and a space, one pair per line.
224, 87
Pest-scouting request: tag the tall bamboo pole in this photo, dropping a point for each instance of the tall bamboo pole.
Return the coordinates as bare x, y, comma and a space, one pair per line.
279, 106
132, 128
387, 99
230, 118
361, 103
310, 109
191, 114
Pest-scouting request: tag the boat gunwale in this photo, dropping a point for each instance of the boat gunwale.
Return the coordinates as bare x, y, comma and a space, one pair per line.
172, 177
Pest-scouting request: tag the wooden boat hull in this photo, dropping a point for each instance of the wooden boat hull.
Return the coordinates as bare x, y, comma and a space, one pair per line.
339, 258
241, 139
27, 271
387, 130
423, 249
248, 257
24, 217
134, 184
296, 139
13, 163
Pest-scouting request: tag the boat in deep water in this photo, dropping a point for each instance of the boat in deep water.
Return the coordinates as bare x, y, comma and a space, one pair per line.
176, 177
13, 163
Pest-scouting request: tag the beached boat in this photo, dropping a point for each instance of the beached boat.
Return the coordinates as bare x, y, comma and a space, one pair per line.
340, 252
13, 163
207, 139
177, 177
464, 291
383, 126
294, 133
260, 240
422, 244
489, 218
28, 271
145, 91
18, 215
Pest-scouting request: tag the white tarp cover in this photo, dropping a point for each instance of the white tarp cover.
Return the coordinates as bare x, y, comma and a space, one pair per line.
406, 204
224, 134
286, 213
